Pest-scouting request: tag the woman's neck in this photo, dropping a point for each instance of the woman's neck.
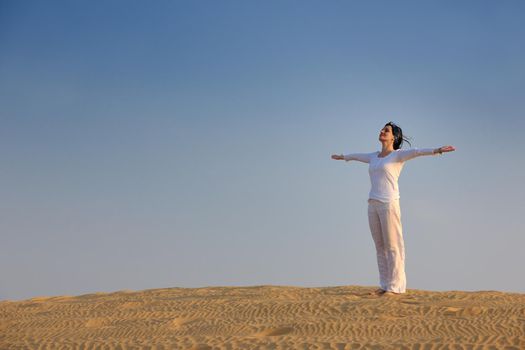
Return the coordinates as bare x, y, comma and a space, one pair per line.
387, 149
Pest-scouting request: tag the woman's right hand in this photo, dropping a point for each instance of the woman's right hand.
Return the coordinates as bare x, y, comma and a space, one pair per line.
338, 156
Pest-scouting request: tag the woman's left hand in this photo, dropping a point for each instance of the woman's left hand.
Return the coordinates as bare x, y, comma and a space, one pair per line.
447, 149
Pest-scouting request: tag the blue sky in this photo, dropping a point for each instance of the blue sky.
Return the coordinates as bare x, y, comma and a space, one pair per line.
188, 143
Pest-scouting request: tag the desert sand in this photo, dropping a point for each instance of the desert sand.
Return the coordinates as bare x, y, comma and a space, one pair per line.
266, 317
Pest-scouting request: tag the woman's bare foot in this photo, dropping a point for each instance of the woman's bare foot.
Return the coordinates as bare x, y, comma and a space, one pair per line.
390, 294
377, 292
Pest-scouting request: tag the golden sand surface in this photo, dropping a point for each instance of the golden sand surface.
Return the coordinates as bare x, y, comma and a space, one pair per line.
266, 317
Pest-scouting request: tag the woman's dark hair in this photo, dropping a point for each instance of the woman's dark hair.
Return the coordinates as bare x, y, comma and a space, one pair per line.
398, 135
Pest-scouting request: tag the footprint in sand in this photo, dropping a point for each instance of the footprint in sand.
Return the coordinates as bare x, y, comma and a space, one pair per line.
182, 321
275, 331
460, 311
95, 322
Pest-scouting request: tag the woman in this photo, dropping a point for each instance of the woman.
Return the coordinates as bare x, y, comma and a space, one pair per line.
384, 215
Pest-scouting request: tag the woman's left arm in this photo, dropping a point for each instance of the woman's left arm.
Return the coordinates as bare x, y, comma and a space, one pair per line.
404, 155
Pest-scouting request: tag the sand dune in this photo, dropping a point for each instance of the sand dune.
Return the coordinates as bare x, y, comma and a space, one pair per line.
266, 317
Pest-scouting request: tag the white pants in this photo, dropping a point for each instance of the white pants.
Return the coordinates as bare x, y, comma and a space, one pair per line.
385, 224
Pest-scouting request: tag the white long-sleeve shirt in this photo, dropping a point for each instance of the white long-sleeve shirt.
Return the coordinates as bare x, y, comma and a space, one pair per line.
384, 172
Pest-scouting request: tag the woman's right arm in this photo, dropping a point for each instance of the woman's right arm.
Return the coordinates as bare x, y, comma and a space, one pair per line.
361, 157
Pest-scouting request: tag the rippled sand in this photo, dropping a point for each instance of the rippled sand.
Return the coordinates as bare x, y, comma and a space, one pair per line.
266, 317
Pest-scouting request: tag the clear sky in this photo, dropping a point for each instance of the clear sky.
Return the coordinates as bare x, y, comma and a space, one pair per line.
187, 143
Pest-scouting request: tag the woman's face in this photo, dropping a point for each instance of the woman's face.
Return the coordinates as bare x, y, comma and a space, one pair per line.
386, 135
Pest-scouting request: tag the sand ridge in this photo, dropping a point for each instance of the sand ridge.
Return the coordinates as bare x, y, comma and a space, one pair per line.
266, 317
